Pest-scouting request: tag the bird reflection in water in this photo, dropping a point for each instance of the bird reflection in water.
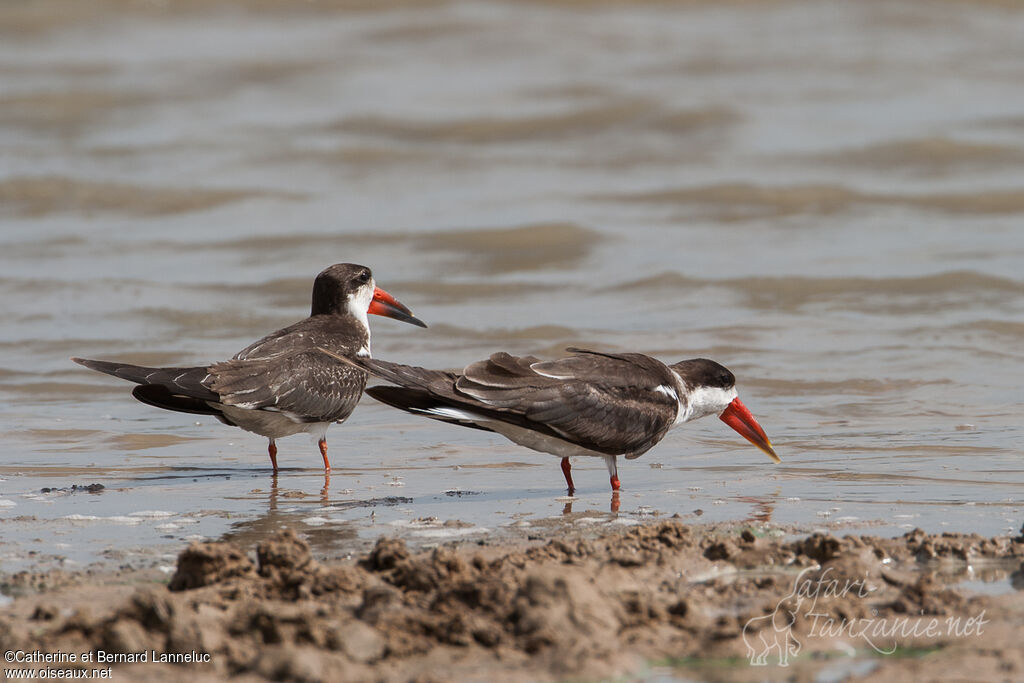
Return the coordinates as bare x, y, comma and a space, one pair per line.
290, 508
275, 492
612, 507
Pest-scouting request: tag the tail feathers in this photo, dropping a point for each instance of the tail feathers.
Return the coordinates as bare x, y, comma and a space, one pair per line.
133, 373
407, 375
439, 383
160, 396
186, 382
411, 376
420, 402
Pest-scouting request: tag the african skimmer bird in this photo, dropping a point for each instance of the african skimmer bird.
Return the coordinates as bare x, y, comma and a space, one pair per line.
589, 403
281, 385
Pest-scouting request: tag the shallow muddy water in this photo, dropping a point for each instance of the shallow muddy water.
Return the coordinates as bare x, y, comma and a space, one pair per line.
825, 197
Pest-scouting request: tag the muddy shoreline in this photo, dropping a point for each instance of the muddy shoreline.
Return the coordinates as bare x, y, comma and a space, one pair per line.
661, 598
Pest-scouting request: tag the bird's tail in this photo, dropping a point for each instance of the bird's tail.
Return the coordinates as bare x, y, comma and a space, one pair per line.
421, 402
409, 376
181, 381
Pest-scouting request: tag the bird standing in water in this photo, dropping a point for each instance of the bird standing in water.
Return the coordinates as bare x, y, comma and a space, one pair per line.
590, 403
282, 384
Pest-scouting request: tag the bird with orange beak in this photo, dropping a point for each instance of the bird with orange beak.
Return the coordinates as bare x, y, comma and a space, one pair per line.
586, 404
281, 384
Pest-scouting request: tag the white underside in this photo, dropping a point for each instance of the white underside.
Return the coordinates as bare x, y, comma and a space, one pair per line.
272, 424
519, 435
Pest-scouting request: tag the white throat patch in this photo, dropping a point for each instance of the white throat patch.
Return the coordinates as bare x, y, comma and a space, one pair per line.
706, 401
357, 305
360, 301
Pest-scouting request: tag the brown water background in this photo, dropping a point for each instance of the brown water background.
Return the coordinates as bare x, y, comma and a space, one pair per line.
827, 197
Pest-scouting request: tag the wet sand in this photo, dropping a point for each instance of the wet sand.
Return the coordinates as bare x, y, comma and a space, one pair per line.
584, 600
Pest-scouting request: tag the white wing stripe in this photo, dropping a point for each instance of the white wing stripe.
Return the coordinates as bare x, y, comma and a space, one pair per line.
668, 391
450, 413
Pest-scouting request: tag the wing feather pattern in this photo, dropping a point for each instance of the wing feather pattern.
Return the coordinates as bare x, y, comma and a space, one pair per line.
604, 402
301, 386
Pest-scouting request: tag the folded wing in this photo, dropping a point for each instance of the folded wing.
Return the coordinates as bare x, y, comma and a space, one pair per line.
300, 386
607, 403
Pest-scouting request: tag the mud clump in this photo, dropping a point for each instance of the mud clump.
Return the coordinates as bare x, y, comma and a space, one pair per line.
573, 605
386, 555
567, 613
818, 547
284, 554
204, 564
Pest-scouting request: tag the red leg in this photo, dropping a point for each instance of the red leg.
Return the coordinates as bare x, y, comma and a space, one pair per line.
272, 450
567, 471
615, 501
323, 451
613, 471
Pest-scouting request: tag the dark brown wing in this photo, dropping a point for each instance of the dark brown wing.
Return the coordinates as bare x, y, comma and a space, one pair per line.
610, 369
283, 371
422, 391
603, 402
301, 385
286, 372
609, 403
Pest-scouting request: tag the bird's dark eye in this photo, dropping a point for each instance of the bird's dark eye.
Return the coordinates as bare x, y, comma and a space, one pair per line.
363, 277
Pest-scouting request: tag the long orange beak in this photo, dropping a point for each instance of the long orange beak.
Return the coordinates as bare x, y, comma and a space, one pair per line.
739, 418
390, 307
